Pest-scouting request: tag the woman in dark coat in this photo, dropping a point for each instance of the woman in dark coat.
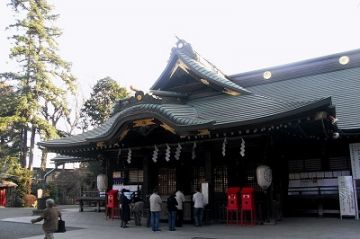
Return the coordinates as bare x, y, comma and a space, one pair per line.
125, 209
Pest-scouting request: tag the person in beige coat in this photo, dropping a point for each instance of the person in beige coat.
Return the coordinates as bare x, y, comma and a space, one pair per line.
50, 216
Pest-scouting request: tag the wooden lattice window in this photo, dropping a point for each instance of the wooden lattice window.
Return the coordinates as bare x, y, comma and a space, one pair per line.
136, 176
198, 178
220, 179
167, 181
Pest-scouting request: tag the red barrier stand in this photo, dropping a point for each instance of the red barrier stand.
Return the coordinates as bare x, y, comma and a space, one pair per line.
233, 205
248, 213
112, 204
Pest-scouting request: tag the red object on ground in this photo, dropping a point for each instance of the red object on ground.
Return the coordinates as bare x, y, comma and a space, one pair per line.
248, 205
112, 200
3, 197
233, 205
112, 204
233, 198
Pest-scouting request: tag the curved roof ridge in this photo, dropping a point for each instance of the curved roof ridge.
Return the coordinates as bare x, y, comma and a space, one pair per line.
203, 71
207, 72
187, 117
178, 115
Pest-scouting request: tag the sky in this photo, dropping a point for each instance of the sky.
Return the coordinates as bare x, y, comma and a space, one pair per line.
130, 41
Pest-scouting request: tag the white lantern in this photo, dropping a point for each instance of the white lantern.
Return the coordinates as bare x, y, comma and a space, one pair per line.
102, 182
264, 176
40, 193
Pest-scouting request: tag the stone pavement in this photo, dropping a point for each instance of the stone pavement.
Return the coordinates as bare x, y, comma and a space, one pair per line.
94, 226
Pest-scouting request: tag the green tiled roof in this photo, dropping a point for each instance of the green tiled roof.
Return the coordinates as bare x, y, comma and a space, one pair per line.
262, 102
209, 112
209, 74
179, 116
200, 68
343, 86
61, 159
250, 109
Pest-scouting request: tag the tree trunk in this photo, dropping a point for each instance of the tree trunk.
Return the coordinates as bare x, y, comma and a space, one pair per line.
24, 147
44, 155
32, 146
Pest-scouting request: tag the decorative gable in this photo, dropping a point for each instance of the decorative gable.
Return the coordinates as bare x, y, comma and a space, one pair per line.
188, 72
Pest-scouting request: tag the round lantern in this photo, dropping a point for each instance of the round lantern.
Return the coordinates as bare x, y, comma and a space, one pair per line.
102, 182
264, 176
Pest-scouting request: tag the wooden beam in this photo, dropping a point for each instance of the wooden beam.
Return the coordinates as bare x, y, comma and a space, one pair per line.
168, 128
203, 132
100, 144
143, 122
123, 134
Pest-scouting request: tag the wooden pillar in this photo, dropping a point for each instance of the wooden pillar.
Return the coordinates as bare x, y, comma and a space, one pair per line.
109, 172
147, 178
210, 179
184, 173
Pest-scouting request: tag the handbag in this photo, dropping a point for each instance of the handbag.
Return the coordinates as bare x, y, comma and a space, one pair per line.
61, 226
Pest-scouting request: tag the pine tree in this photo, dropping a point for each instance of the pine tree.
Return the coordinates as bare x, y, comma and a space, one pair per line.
42, 102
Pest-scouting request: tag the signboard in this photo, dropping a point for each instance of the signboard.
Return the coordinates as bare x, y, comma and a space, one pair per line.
205, 192
346, 196
355, 159
131, 188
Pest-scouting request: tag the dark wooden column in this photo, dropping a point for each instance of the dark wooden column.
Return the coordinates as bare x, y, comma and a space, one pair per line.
210, 179
147, 178
108, 170
184, 173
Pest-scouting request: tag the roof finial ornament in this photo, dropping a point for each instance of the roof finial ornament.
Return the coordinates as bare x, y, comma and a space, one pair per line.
180, 42
185, 48
139, 95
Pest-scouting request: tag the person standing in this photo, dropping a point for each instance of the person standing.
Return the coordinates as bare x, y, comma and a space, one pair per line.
50, 216
138, 209
155, 208
125, 209
199, 203
180, 198
171, 206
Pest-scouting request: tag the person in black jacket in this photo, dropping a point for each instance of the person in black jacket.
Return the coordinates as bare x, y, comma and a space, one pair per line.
125, 209
171, 206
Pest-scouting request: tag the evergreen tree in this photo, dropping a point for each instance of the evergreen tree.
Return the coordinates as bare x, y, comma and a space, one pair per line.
9, 130
98, 108
41, 100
